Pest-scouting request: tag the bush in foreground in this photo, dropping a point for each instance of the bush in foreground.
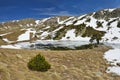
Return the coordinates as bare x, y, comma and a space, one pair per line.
38, 63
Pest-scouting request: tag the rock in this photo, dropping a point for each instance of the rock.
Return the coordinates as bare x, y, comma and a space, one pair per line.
115, 60
19, 56
118, 64
65, 67
98, 73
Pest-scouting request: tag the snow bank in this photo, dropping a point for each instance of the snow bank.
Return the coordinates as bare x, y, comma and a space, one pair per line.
113, 57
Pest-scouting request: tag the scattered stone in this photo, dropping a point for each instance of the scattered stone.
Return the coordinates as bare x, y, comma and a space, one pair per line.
65, 67
98, 73
19, 56
68, 60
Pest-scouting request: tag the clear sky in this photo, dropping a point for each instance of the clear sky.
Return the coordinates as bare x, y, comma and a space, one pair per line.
20, 9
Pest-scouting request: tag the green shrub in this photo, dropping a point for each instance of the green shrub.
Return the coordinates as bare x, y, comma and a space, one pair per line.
89, 32
99, 24
87, 46
1, 37
38, 63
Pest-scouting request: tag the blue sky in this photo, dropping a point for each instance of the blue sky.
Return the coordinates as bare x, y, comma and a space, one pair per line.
20, 9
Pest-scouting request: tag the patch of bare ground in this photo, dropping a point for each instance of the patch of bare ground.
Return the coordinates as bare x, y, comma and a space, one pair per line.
65, 65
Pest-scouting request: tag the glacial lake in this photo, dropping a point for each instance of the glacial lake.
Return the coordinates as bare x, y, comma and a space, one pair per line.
46, 44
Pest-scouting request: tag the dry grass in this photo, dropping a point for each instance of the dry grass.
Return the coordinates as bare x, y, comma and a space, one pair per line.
2, 42
14, 35
66, 65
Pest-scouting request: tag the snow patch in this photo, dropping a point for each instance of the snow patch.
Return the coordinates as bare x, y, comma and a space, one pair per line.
6, 40
37, 21
111, 34
58, 29
67, 21
47, 27
59, 22
82, 16
92, 22
26, 35
11, 46
110, 10
70, 35
114, 69
44, 34
43, 20
5, 34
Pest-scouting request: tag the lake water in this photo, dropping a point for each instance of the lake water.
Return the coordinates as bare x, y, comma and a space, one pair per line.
46, 44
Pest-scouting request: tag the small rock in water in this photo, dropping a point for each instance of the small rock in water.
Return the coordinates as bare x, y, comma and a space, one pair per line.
115, 60
118, 64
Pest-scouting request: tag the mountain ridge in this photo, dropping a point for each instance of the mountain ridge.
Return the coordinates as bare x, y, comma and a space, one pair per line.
104, 22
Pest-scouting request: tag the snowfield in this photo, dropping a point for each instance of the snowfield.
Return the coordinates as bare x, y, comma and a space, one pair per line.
113, 58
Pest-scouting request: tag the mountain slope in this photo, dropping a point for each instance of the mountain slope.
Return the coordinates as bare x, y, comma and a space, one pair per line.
104, 23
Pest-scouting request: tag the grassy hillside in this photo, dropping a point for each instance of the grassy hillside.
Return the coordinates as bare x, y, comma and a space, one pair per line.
65, 65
